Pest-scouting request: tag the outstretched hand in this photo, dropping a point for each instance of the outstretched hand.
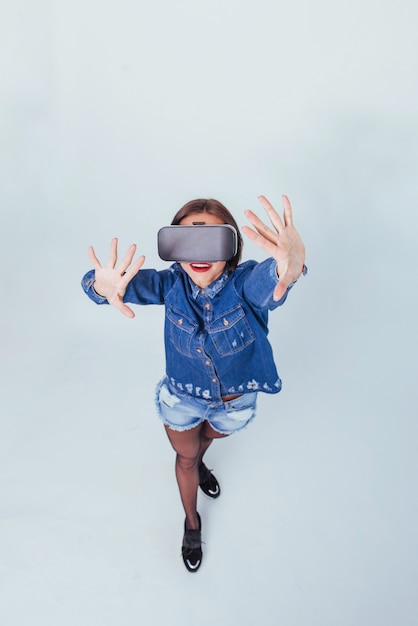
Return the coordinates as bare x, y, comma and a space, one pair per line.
283, 243
111, 281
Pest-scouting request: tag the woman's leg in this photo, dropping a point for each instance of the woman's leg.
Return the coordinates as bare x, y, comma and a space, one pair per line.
186, 444
207, 481
207, 435
190, 446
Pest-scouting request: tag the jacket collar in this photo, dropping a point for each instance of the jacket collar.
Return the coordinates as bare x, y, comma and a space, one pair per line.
212, 290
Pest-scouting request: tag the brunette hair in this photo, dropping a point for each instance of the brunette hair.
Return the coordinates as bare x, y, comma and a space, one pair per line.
213, 207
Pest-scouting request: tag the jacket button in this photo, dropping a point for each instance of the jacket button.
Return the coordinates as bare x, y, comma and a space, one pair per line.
198, 350
226, 322
214, 380
207, 362
180, 322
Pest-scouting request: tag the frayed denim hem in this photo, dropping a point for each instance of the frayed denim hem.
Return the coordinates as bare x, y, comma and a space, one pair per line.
179, 429
233, 432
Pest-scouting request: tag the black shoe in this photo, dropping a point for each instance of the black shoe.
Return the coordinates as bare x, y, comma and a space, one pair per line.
192, 547
208, 483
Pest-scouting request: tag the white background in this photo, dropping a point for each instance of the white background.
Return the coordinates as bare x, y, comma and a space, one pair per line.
113, 115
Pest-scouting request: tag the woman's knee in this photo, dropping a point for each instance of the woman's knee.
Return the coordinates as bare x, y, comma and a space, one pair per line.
187, 463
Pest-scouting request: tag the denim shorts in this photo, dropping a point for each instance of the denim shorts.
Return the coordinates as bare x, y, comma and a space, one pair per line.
180, 411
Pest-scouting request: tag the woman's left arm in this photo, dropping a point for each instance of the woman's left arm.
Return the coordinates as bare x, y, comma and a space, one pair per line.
283, 243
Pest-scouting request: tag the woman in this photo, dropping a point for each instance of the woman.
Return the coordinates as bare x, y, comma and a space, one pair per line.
217, 353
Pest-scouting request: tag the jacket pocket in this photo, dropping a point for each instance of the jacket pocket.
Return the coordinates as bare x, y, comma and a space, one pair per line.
181, 329
231, 332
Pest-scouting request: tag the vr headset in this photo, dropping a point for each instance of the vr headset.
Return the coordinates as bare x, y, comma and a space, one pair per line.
209, 243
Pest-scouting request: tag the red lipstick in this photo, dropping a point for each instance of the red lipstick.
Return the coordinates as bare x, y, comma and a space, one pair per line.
200, 267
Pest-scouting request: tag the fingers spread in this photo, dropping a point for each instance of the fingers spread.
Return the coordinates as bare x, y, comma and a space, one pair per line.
93, 258
130, 273
124, 309
113, 256
260, 240
127, 259
272, 213
119, 304
261, 228
127, 311
287, 211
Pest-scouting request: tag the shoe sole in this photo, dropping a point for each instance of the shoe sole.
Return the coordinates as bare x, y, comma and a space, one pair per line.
211, 497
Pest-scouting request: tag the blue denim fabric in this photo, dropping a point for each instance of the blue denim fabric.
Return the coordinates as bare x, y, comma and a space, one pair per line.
182, 412
215, 338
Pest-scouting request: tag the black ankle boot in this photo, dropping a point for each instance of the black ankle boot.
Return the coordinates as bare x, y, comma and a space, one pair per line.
192, 547
207, 482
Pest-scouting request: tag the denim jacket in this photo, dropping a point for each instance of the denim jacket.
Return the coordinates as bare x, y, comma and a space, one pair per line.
215, 338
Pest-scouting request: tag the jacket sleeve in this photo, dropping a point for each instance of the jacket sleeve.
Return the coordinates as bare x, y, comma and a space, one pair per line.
87, 285
147, 287
258, 283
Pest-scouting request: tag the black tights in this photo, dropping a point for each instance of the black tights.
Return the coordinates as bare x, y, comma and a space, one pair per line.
190, 446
